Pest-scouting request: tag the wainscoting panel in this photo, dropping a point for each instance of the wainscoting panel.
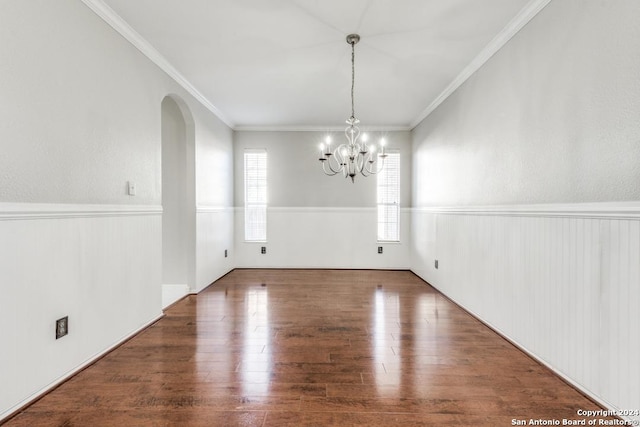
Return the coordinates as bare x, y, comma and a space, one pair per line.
562, 282
214, 235
323, 238
98, 265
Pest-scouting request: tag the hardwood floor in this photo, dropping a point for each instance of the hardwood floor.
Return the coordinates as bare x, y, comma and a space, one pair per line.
311, 348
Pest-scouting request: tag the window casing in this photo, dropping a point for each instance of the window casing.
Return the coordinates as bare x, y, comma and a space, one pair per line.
389, 199
255, 195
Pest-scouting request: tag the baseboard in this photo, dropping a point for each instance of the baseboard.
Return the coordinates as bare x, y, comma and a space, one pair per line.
165, 309
16, 409
172, 293
214, 282
328, 269
290, 267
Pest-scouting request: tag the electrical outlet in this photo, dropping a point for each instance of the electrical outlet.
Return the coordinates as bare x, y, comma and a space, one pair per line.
131, 188
379, 249
436, 264
263, 250
62, 327
225, 253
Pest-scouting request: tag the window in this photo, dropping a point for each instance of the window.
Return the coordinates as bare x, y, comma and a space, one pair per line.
389, 199
255, 195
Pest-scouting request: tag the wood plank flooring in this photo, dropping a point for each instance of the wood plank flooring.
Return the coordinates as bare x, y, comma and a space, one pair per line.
311, 348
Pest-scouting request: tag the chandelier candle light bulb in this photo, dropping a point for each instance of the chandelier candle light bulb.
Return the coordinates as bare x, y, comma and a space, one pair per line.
350, 158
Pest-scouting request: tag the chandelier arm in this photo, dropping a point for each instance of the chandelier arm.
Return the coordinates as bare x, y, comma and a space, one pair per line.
333, 171
368, 168
370, 172
329, 173
367, 164
379, 166
341, 160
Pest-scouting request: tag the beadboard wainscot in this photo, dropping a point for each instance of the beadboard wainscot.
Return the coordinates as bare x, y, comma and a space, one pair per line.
561, 281
214, 225
97, 264
323, 237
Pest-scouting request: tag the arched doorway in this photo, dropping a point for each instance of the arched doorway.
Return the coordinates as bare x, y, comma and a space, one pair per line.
178, 200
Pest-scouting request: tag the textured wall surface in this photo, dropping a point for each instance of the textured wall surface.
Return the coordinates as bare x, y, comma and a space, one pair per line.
552, 117
80, 113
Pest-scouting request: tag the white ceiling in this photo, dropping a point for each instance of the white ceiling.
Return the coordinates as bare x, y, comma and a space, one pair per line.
285, 64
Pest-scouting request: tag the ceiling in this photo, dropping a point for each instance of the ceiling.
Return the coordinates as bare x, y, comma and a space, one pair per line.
285, 64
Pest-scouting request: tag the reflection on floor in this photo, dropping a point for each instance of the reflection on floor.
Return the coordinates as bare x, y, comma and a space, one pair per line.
311, 347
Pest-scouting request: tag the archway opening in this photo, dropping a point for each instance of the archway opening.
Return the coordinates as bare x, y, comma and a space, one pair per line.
178, 200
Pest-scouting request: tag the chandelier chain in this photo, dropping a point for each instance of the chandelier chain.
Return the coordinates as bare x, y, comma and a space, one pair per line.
353, 76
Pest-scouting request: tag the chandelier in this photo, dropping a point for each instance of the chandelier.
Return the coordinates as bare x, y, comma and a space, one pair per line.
354, 156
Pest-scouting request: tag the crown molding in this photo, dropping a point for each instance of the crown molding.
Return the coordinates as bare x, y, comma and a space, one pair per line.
132, 36
511, 29
249, 128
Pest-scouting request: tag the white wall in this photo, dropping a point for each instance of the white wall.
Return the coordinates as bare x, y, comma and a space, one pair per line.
175, 200
81, 116
81, 112
214, 198
551, 118
329, 237
214, 227
99, 265
314, 220
504, 171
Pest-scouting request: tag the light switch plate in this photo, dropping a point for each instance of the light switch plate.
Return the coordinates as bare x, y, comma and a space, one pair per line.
131, 188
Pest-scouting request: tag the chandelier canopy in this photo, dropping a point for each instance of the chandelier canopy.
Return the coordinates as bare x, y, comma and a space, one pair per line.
354, 156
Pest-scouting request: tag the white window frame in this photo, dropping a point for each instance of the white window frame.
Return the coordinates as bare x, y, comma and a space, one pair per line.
388, 199
255, 195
